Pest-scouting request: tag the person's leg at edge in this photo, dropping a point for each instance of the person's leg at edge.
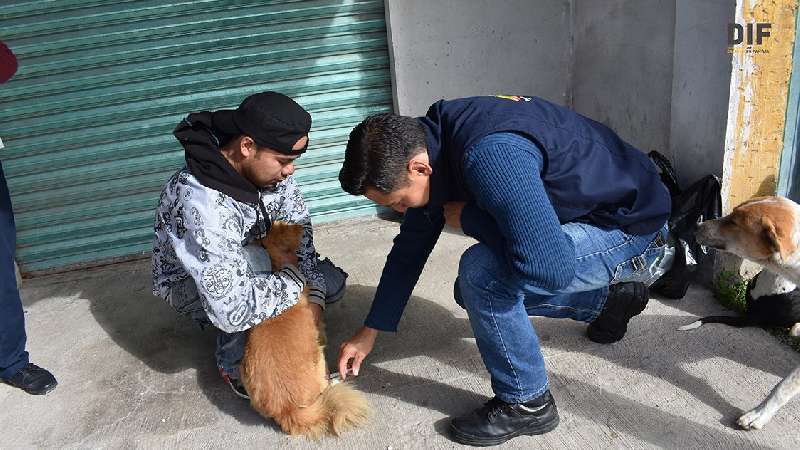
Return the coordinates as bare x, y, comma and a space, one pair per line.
13, 356
15, 367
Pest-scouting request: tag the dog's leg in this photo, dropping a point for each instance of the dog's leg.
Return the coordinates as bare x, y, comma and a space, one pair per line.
795, 330
780, 395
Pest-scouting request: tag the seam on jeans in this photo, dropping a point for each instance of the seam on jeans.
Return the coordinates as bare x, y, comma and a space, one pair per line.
591, 313
536, 395
548, 305
505, 350
627, 241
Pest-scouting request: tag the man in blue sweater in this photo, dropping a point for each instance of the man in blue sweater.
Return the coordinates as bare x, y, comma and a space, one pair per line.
570, 222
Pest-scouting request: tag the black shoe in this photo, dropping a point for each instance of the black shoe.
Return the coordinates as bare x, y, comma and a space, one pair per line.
33, 380
497, 421
624, 301
235, 384
335, 280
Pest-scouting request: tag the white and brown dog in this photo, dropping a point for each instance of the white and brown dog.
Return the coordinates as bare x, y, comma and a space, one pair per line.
765, 230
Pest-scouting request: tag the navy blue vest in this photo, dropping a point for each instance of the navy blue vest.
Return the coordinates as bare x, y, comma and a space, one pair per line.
589, 173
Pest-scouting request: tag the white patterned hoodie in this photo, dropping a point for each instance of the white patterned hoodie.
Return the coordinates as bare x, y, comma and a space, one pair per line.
208, 263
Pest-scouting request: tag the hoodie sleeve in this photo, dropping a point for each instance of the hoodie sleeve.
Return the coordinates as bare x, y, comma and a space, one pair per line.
236, 288
292, 209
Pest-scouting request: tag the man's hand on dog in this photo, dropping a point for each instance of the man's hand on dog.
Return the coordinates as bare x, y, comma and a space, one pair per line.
356, 349
452, 214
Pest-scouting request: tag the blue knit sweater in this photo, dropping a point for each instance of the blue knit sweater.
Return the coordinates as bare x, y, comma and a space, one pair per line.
509, 211
502, 172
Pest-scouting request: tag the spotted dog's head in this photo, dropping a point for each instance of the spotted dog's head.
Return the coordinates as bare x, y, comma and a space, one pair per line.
761, 230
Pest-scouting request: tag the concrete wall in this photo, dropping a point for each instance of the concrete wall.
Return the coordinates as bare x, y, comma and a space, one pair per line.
456, 48
700, 86
623, 67
656, 71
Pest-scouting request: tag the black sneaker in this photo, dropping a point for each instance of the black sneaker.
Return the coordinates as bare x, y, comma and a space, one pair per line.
335, 280
235, 384
497, 421
33, 380
625, 300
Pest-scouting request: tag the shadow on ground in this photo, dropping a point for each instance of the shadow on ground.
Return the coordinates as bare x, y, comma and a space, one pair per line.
450, 341
150, 330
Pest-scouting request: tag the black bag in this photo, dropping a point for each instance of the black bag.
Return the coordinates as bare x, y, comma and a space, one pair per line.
699, 202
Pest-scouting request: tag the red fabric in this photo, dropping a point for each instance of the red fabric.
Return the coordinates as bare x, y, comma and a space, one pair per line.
8, 63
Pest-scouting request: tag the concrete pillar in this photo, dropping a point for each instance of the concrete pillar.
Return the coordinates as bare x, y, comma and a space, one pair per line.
757, 110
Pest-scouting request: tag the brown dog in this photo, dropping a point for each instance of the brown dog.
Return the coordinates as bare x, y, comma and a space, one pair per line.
284, 369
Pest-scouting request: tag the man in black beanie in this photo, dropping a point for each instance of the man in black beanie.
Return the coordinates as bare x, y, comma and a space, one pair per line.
207, 260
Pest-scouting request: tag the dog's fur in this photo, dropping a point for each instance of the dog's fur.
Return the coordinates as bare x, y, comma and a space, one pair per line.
284, 369
771, 301
765, 230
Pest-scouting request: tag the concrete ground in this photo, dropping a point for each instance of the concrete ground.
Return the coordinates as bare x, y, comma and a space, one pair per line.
134, 375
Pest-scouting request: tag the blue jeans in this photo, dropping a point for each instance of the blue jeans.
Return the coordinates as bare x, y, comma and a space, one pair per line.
230, 350
13, 356
498, 313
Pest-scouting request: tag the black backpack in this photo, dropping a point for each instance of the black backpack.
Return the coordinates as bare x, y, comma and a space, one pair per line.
699, 202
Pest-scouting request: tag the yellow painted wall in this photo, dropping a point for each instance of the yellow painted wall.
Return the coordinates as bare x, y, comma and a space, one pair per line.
757, 109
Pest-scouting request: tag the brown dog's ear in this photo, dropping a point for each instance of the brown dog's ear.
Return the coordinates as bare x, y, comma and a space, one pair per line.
772, 238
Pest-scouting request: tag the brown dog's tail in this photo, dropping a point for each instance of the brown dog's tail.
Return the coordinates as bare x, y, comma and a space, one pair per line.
339, 408
308, 420
346, 407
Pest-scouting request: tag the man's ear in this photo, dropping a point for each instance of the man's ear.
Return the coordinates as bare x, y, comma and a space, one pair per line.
419, 167
247, 146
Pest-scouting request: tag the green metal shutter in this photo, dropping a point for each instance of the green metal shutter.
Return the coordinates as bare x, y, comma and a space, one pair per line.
87, 120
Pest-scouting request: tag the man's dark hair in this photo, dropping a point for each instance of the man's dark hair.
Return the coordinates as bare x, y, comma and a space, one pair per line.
378, 151
227, 142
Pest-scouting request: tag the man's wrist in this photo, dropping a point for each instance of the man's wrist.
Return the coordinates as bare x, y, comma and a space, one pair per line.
295, 275
316, 297
370, 332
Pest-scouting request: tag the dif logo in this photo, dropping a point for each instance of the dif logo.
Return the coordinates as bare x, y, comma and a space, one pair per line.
749, 34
